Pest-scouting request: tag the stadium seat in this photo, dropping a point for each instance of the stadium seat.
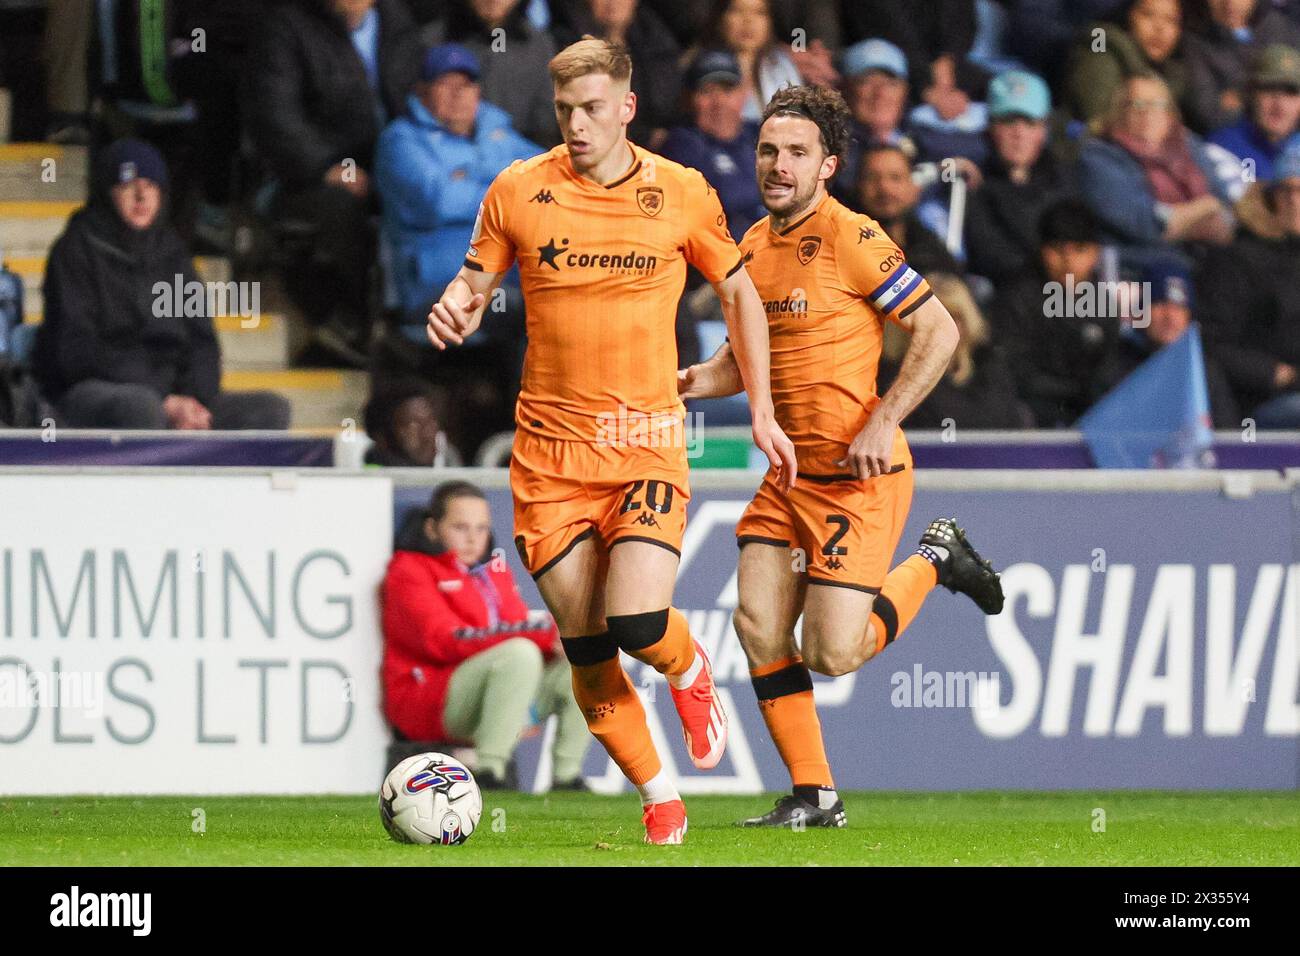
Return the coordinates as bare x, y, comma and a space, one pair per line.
495, 452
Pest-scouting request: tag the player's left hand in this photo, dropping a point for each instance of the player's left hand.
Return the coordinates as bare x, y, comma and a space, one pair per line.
779, 449
691, 383
872, 450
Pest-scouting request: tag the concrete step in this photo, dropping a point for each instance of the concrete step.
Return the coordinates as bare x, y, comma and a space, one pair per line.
32, 268
43, 171
262, 342
265, 341
213, 268
29, 227
320, 398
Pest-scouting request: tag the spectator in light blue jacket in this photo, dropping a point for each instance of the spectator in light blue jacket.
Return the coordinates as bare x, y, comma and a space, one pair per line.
1151, 182
433, 167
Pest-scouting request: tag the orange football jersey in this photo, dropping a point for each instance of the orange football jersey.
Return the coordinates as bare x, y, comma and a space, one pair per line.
602, 269
827, 283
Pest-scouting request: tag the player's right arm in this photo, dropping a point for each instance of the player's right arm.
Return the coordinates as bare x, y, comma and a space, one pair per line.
459, 310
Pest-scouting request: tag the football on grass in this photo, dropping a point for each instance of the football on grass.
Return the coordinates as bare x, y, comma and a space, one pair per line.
430, 798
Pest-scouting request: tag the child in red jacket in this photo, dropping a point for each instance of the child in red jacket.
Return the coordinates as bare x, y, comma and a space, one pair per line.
462, 660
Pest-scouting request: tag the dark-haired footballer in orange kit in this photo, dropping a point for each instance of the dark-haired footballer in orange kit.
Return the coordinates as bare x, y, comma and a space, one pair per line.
829, 278
602, 231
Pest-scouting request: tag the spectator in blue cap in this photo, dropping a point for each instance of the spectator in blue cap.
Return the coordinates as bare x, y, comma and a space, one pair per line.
1166, 312
747, 28
720, 143
1021, 179
432, 169
936, 36
1251, 304
120, 345
875, 89
512, 54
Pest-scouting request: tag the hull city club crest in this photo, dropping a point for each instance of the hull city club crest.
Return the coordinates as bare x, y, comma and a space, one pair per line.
809, 246
650, 199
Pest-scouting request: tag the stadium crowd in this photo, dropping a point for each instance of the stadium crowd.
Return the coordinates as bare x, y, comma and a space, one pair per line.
1005, 145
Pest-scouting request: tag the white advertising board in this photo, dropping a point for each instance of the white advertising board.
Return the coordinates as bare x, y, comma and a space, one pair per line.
191, 634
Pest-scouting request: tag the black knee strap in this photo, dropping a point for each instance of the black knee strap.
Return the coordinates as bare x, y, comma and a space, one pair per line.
636, 632
589, 651
794, 679
884, 609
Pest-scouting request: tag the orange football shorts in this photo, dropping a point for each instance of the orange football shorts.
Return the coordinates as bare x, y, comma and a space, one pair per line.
568, 491
845, 529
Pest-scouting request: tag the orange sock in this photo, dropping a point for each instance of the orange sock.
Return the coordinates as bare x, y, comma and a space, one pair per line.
785, 698
616, 718
658, 638
901, 597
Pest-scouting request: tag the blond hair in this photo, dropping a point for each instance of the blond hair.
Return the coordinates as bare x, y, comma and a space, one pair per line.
956, 298
591, 55
1109, 121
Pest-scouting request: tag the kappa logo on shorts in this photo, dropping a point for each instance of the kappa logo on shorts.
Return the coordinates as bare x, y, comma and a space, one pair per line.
647, 519
523, 551
834, 564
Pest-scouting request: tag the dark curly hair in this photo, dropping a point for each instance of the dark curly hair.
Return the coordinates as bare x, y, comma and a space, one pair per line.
821, 105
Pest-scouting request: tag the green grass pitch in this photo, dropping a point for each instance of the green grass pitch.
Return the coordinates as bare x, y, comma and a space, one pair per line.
885, 829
